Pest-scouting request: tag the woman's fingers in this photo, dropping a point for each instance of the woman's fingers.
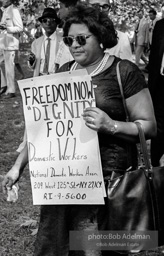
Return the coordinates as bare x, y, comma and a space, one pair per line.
5, 183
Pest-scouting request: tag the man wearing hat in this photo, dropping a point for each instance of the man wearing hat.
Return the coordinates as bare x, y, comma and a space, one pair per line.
42, 58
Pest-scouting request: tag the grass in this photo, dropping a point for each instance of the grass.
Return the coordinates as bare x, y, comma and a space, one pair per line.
19, 221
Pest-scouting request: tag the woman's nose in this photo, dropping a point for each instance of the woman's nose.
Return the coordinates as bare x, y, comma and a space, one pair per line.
75, 43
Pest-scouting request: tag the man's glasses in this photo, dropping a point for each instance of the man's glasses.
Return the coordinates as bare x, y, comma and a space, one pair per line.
81, 40
51, 20
103, 8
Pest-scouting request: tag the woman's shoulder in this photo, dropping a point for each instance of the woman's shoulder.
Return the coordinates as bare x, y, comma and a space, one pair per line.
133, 79
128, 67
125, 66
128, 64
123, 63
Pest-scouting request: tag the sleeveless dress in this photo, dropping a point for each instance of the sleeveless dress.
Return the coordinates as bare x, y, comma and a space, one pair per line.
116, 154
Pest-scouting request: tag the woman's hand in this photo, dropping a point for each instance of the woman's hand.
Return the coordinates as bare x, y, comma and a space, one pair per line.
10, 178
97, 120
16, 171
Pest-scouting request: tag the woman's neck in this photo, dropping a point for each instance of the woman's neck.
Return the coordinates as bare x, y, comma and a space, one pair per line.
92, 66
96, 67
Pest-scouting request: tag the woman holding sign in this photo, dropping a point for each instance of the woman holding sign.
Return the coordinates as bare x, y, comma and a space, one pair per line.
87, 33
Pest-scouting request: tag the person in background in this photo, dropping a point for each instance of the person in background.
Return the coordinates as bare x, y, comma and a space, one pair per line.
141, 38
18, 65
25, 34
30, 19
11, 25
37, 31
162, 10
153, 20
123, 47
37, 59
3, 86
59, 52
150, 28
88, 32
65, 6
156, 87
1, 12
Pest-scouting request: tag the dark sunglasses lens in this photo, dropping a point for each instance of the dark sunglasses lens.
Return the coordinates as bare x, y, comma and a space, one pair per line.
44, 20
68, 41
105, 7
96, 6
81, 40
48, 19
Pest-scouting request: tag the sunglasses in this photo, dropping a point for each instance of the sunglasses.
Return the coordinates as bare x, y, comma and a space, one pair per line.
81, 40
51, 20
104, 7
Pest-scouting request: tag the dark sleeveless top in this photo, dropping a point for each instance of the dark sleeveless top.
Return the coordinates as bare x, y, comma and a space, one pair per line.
116, 153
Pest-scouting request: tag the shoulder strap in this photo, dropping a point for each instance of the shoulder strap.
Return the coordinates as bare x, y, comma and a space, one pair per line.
121, 90
140, 130
129, 160
143, 147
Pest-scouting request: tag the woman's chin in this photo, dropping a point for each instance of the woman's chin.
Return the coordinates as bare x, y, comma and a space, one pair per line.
78, 59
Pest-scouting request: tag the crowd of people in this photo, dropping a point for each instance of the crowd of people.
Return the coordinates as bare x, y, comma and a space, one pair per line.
82, 36
11, 25
142, 38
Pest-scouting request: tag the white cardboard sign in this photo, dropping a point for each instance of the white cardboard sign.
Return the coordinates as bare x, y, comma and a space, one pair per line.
64, 157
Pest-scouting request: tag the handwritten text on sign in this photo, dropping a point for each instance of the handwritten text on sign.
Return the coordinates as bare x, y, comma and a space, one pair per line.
64, 156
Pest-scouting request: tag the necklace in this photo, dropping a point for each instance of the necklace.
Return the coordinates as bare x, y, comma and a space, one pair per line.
99, 68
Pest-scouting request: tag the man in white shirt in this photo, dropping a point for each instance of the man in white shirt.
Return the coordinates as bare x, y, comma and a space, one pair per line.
11, 25
37, 59
123, 47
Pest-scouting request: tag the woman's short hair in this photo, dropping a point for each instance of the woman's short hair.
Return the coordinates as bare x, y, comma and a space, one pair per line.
69, 3
98, 23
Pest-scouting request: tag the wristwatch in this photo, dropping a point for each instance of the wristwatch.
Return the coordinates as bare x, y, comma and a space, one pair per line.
114, 128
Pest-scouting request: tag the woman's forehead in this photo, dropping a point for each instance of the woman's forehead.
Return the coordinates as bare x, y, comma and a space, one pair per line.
80, 28
101, 2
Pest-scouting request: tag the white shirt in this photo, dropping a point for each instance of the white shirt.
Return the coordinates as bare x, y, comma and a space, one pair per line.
12, 18
122, 49
53, 44
63, 54
9, 39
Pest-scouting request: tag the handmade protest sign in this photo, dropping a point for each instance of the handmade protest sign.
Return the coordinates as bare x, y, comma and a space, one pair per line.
64, 158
